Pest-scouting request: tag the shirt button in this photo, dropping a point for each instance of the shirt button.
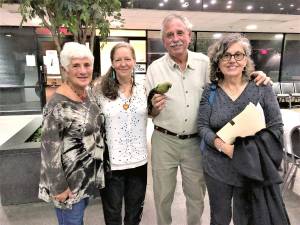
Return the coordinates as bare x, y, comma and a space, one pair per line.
183, 131
187, 105
185, 120
183, 78
186, 92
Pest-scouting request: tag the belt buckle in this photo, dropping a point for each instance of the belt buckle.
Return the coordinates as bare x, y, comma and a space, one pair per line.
182, 136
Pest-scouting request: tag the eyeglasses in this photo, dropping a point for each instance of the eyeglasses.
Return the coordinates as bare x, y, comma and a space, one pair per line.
237, 56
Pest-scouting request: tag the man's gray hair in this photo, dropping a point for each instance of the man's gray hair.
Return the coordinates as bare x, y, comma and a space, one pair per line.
171, 17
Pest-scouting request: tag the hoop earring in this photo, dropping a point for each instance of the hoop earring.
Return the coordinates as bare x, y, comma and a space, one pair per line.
218, 70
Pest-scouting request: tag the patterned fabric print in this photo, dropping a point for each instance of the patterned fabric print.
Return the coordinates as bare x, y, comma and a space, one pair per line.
126, 129
71, 150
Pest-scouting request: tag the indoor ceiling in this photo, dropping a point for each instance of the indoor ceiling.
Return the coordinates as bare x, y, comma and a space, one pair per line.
215, 21
238, 6
150, 19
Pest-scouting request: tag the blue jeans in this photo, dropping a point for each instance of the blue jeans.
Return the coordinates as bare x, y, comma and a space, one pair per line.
72, 216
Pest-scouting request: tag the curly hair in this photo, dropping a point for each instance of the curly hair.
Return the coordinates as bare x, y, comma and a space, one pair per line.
219, 48
108, 84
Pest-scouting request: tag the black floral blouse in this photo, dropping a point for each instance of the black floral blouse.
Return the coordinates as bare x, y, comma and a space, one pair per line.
71, 150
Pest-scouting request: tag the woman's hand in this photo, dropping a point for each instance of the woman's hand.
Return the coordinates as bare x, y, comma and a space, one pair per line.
261, 78
227, 149
62, 197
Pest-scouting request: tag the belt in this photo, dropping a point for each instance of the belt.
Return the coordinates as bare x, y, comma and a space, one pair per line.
180, 136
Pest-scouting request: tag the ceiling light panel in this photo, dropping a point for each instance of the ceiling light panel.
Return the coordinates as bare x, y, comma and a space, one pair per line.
249, 7
290, 7
251, 27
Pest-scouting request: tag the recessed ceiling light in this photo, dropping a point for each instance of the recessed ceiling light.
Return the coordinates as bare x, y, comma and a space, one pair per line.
281, 9
213, 2
251, 27
165, 0
217, 35
161, 4
198, 1
278, 36
205, 6
229, 2
184, 5
228, 6
181, 1
298, 9
8, 35
261, 7
249, 7
279, 4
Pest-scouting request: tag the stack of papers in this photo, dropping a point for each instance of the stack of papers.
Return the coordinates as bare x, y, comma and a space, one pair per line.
248, 122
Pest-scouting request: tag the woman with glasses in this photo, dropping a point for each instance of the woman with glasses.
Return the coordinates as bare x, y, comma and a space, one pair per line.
243, 174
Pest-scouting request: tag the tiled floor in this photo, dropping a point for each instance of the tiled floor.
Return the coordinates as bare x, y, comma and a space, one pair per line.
43, 214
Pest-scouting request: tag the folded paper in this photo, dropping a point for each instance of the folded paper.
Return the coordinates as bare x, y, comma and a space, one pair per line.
248, 122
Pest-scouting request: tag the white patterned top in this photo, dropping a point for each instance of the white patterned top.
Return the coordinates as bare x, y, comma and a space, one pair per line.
126, 129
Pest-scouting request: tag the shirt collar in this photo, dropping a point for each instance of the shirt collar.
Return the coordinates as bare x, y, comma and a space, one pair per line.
190, 63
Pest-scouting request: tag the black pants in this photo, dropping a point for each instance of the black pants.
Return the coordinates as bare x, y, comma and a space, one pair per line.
221, 197
129, 184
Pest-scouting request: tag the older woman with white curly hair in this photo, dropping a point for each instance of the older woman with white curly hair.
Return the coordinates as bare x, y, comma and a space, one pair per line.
72, 143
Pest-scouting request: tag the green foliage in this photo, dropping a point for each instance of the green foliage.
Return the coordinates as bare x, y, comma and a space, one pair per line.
80, 17
36, 136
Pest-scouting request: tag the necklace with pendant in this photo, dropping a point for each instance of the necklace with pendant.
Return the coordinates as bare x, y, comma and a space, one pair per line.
81, 96
127, 102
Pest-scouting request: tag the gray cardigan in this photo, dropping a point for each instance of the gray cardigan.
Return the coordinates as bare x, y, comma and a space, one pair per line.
212, 117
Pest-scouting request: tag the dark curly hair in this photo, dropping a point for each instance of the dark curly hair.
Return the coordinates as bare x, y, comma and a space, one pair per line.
218, 49
108, 84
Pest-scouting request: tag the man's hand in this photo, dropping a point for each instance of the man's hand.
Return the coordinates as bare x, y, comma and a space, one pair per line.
261, 78
62, 197
158, 102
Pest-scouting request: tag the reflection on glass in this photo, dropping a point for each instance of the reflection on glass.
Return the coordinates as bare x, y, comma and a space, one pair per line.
19, 100
205, 39
155, 46
266, 50
291, 58
140, 49
18, 70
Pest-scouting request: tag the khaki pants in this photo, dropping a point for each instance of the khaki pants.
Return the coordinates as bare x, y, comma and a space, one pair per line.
169, 153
